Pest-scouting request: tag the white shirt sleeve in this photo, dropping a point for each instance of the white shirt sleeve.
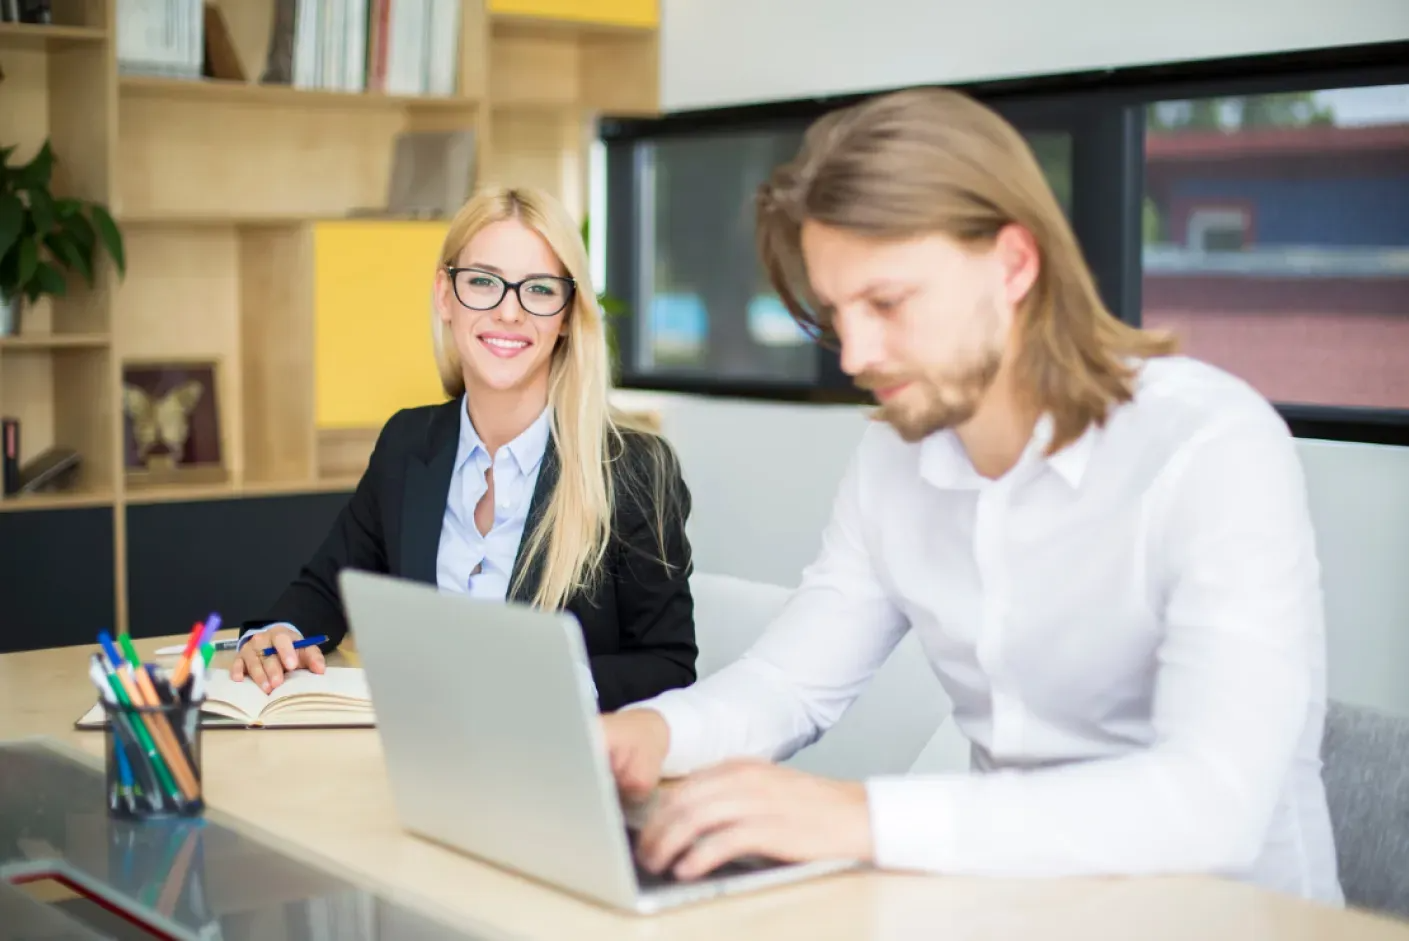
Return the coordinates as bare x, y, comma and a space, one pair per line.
799, 678
256, 630
1236, 677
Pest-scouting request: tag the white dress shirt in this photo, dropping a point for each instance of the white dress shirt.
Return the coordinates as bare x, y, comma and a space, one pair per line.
1130, 630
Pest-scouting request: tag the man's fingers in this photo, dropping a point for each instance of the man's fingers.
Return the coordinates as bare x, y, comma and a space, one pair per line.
724, 845
677, 824
313, 659
237, 669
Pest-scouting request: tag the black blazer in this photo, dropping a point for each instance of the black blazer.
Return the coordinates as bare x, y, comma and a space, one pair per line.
637, 621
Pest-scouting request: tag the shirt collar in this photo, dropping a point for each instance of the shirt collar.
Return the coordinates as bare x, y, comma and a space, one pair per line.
945, 464
527, 449
1071, 461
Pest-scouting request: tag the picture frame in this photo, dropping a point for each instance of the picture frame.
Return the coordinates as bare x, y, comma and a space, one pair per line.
172, 433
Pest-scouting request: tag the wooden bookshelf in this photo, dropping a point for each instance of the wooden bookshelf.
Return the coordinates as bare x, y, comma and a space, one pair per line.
31, 36
227, 194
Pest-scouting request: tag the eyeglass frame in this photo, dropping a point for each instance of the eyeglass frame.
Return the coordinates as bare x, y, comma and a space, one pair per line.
452, 272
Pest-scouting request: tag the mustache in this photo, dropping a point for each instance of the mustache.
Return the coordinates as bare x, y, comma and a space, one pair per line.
871, 381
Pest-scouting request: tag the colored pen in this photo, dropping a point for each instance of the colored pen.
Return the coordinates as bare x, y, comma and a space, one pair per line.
161, 728
120, 685
124, 768
183, 666
298, 644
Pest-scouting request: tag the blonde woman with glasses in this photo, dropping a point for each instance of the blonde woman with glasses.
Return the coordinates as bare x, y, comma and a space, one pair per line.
526, 485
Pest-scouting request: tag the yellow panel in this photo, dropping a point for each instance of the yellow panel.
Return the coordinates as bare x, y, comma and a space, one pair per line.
642, 13
372, 315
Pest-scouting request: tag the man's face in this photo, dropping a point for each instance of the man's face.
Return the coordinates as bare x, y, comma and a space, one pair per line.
923, 323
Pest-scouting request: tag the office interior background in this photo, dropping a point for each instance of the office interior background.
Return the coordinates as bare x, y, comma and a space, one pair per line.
1238, 172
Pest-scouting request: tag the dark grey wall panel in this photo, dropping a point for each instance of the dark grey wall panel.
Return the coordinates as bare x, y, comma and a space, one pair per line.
56, 577
185, 560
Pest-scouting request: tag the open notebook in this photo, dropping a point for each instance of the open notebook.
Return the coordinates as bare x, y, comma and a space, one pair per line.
338, 698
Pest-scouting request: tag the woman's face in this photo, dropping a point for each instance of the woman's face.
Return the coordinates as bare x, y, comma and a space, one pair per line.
505, 337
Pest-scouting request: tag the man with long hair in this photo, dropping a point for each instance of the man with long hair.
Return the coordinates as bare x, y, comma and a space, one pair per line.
1104, 547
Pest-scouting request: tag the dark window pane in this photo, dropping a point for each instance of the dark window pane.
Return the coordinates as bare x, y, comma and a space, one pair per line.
707, 308
1276, 239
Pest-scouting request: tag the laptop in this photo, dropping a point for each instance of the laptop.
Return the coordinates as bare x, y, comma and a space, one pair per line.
494, 748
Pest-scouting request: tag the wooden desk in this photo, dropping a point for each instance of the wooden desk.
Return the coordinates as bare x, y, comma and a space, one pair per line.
326, 796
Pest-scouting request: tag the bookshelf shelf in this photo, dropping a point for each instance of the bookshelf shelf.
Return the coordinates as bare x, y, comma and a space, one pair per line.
190, 493
67, 500
530, 23
32, 36
56, 341
253, 93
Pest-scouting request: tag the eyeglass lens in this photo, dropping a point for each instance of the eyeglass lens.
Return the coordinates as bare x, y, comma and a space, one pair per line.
480, 290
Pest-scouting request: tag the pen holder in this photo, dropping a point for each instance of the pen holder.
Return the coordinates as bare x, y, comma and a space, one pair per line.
153, 760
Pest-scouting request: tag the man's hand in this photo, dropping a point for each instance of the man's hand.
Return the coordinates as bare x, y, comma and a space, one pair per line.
637, 741
268, 672
753, 808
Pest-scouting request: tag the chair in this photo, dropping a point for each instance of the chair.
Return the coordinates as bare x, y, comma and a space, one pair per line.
1365, 755
888, 725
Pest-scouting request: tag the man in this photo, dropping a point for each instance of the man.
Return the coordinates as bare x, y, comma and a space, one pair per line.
1104, 548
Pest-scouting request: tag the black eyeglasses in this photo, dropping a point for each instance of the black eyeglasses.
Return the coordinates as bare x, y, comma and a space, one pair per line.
542, 295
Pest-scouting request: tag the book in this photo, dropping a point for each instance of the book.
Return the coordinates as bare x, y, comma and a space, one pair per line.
336, 698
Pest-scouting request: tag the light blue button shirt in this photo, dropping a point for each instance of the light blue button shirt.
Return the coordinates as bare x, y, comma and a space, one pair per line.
467, 561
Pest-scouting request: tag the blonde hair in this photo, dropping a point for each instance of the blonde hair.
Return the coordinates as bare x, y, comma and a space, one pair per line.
573, 534
929, 160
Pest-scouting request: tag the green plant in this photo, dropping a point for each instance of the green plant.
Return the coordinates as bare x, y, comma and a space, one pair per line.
43, 236
613, 308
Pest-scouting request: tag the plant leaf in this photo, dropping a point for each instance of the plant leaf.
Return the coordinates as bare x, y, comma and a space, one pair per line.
41, 207
81, 231
11, 221
36, 173
112, 238
67, 252
29, 261
49, 280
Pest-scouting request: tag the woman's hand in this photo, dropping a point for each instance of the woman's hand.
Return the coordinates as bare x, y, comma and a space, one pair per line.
268, 672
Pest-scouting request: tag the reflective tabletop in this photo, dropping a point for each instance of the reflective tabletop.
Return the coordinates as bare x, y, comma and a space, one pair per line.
69, 871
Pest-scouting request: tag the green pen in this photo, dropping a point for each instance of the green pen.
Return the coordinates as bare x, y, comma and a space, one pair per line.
139, 726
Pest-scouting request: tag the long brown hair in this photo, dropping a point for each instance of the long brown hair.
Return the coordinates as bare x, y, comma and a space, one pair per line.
929, 160
574, 533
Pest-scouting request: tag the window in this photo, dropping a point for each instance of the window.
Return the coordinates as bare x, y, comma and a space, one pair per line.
1276, 239
708, 307
707, 310
1258, 208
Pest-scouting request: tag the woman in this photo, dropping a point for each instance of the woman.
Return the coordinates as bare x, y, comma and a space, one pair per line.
527, 485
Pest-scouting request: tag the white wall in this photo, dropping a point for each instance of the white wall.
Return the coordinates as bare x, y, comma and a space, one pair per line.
717, 52
763, 476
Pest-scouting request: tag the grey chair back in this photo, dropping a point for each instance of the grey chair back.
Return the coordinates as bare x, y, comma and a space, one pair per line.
1366, 771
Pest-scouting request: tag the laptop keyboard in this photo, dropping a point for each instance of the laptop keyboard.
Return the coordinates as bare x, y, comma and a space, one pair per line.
739, 867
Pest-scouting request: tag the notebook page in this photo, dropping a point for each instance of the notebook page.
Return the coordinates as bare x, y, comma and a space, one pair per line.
225, 697
337, 689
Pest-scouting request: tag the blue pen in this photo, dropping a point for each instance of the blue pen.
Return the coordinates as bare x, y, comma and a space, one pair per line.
109, 648
298, 644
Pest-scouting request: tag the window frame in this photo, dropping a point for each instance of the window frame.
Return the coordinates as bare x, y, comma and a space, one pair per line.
1104, 112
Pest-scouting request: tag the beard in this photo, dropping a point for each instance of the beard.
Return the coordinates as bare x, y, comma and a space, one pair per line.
935, 402
937, 399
